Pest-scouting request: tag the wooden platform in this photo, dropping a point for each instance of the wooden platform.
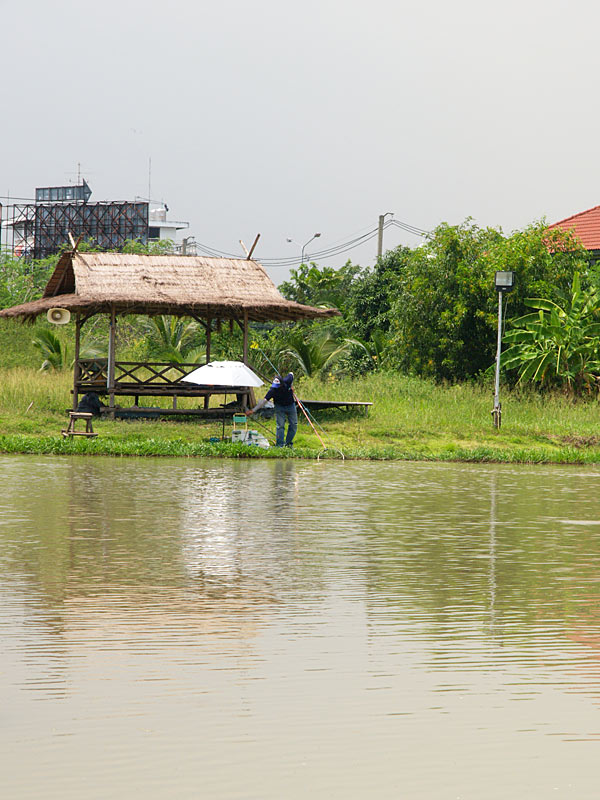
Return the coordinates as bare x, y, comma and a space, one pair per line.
345, 405
154, 412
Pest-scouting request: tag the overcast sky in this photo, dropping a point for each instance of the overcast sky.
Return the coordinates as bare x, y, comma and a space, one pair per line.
287, 119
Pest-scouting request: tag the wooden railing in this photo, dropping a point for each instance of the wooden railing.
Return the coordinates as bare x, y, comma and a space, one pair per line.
150, 379
136, 373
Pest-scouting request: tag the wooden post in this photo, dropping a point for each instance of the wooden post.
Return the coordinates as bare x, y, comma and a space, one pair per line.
110, 377
208, 332
76, 363
245, 337
249, 256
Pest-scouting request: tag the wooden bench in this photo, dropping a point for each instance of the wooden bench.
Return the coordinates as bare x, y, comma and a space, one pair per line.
73, 417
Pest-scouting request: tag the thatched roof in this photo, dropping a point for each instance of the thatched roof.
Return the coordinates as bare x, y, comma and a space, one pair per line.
219, 288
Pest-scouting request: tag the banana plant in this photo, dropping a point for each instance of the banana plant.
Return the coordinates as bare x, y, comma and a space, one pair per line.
374, 348
558, 344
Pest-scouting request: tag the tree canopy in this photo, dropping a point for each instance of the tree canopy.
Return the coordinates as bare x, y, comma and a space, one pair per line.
429, 310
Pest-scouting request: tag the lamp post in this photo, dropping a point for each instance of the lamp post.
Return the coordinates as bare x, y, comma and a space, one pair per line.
505, 282
304, 246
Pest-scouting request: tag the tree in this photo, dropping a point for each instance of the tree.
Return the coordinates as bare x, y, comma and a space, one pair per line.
313, 286
443, 318
373, 291
21, 281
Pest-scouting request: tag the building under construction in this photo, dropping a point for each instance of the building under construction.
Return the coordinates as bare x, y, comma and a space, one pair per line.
38, 229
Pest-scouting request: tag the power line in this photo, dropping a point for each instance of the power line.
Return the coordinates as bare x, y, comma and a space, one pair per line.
286, 262
410, 228
291, 260
12, 197
329, 252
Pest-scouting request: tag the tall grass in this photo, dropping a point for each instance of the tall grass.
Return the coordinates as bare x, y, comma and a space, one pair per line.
22, 388
415, 406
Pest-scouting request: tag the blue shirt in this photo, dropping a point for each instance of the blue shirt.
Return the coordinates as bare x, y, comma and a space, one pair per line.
283, 394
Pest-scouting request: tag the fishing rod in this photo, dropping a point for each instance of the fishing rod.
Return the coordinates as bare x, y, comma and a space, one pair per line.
266, 357
324, 447
262, 425
315, 420
308, 419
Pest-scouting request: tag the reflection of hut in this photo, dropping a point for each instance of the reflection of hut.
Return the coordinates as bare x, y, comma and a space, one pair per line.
210, 290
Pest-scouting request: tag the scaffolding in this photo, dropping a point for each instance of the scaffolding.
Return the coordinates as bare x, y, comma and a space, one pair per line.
37, 230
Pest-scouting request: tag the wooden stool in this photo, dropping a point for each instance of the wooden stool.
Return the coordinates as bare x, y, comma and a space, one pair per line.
73, 417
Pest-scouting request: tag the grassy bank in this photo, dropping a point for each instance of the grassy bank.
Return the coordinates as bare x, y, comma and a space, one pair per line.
410, 419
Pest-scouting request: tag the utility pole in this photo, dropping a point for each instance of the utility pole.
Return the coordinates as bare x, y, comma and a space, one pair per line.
380, 234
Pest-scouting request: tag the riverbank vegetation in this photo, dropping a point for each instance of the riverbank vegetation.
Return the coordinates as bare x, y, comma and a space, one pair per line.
416, 337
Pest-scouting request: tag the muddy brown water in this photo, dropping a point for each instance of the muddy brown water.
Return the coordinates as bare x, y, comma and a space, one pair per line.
280, 629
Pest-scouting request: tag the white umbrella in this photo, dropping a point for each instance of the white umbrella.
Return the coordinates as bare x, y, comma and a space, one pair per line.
223, 373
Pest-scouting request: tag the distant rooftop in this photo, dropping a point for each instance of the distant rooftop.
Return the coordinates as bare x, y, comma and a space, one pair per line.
585, 226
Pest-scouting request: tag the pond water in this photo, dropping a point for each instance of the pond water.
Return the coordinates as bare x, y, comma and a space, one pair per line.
280, 629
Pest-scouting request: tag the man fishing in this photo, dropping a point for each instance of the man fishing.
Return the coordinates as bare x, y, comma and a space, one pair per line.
282, 395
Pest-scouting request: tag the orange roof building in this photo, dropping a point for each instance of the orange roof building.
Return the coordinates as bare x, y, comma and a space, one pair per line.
585, 226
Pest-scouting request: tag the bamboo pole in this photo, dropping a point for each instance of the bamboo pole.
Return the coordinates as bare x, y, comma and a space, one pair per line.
245, 337
208, 332
76, 363
110, 377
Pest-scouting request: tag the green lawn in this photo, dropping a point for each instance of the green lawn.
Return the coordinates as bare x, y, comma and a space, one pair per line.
410, 419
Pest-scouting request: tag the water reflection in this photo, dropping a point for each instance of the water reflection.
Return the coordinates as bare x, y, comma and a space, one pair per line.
330, 615
220, 518
492, 578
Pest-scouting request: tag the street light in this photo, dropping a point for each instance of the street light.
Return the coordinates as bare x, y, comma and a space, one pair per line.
505, 282
304, 246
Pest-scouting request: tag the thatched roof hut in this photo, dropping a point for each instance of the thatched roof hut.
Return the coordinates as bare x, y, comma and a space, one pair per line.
216, 288
207, 289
